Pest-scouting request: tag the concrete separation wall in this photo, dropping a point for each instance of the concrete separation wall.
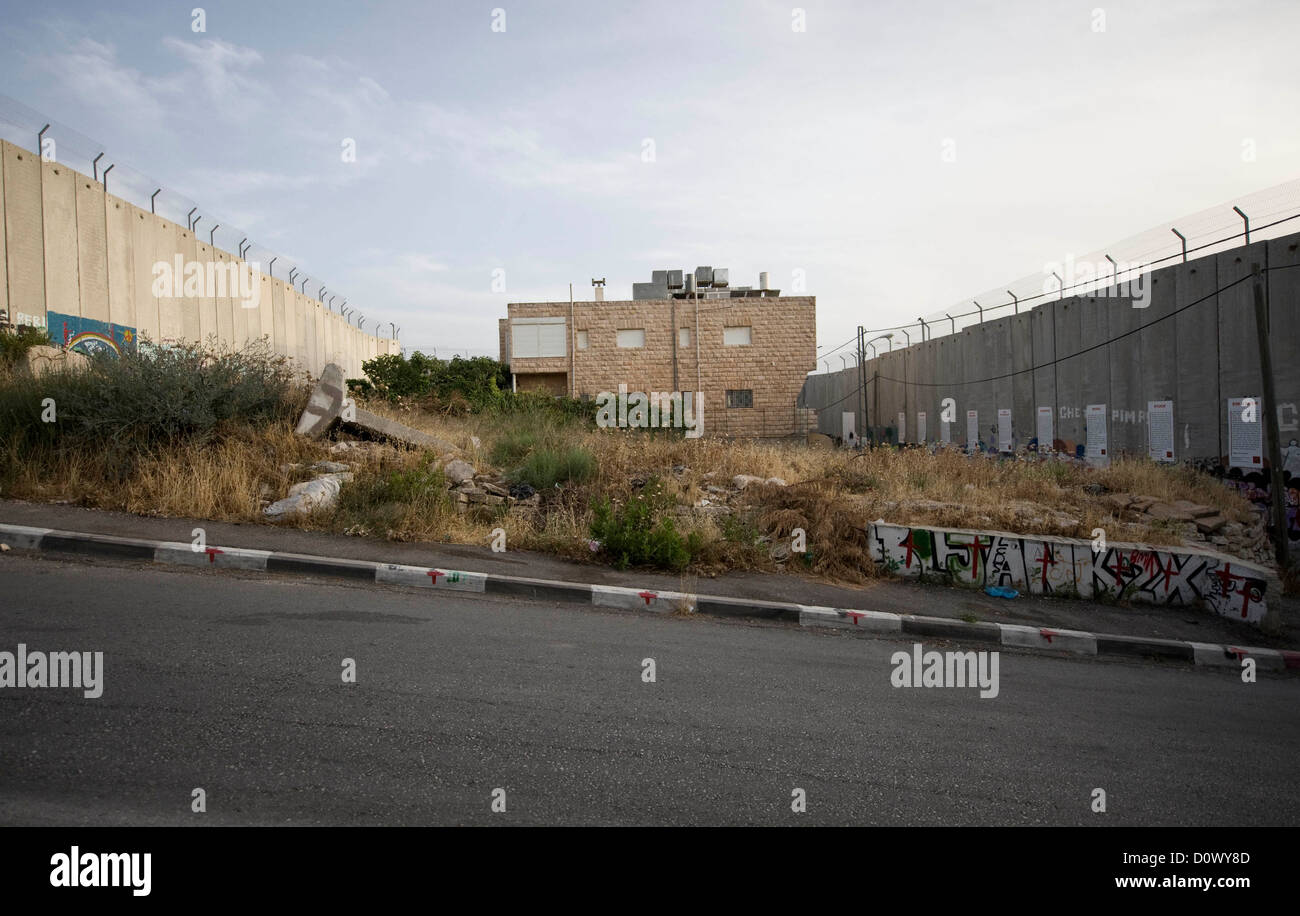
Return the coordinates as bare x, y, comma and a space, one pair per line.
1067, 567
1198, 358
83, 265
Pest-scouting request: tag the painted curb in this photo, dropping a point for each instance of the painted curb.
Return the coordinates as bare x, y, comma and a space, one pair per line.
1046, 640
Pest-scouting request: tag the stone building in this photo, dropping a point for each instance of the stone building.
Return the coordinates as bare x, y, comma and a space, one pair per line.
747, 351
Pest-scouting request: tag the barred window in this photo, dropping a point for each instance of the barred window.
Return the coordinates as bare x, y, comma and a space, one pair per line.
740, 397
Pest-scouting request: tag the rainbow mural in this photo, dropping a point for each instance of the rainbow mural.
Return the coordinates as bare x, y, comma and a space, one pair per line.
90, 336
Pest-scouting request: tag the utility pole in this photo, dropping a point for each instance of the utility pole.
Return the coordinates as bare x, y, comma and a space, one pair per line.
862, 383
1277, 492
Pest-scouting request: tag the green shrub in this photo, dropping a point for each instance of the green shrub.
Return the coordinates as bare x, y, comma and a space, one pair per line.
14, 345
153, 397
640, 533
546, 467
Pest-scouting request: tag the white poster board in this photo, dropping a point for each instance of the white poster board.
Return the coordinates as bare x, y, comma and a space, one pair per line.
1004, 429
945, 431
902, 427
972, 431
1246, 433
1096, 451
1160, 430
848, 433
1046, 429
920, 426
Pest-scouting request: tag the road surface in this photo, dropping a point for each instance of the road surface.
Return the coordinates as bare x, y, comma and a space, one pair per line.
234, 684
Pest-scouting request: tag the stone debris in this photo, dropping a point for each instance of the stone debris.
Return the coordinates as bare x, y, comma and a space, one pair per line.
458, 471
308, 497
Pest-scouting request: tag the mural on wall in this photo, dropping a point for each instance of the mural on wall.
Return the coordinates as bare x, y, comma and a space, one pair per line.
89, 336
1071, 568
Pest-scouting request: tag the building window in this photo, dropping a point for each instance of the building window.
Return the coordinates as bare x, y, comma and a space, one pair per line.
631, 338
532, 338
582, 340
736, 337
684, 337
740, 397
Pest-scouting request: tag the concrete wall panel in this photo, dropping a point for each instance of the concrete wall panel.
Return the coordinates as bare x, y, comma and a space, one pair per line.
59, 206
92, 249
23, 235
1284, 333
143, 227
1198, 404
118, 216
190, 306
1239, 366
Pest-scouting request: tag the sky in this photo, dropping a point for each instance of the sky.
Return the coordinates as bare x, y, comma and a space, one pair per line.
893, 159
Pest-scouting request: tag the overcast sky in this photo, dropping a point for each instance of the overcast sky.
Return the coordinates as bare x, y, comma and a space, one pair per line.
902, 156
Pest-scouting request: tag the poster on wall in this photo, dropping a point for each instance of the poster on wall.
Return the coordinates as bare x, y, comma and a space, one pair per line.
945, 431
1096, 452
972, 431
1245, 433
1046, 430
1004, 429
89, 336
902, 427
920, 426
1160, 430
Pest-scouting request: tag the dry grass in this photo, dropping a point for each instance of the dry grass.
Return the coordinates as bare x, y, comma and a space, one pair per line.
832, 495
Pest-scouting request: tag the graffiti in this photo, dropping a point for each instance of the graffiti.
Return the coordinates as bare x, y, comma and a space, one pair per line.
1069, 568
89, 336
1149, 576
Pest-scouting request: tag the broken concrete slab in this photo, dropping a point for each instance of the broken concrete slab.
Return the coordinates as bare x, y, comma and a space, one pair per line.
365, 423
324, 405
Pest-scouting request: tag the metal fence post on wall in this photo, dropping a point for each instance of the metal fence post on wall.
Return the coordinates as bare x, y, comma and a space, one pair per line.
1182, 238
1015, 302
1246, 220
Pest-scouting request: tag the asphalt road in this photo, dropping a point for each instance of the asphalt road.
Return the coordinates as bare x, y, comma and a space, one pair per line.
233, 685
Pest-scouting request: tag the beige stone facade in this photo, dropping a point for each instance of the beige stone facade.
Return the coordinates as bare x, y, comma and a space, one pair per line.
683, 351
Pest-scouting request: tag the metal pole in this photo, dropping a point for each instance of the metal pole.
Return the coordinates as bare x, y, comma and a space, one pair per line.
977, 305
924, 330
1014, 301
1277, 492
1060, 285
270, 268
212, 232
907, 335
189, 219
1182, 238
94, 165
952, 321
1245, 219
104, 178
1114, 271
151, 199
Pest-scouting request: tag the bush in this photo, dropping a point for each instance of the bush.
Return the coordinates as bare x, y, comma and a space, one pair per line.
155, 397
546, 467
14, 345
640, 534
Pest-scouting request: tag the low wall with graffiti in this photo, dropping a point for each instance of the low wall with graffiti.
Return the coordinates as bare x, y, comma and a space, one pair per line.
1067, 567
